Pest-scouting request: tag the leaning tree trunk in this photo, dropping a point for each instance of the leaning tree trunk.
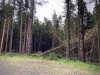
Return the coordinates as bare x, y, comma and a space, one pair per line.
81, 52
3, 34
29, 31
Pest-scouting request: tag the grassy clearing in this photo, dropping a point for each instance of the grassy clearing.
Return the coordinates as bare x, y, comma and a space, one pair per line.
71, 63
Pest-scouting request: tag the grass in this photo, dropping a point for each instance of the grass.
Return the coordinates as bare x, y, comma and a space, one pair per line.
65, 61
80, 64
16, 55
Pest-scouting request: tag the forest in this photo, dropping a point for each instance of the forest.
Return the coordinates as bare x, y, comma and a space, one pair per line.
75, 35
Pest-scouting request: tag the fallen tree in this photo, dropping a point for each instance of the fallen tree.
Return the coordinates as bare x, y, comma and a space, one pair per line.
73, 47
51, 50
56, 49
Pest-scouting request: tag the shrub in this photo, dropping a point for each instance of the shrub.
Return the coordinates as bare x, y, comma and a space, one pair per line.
50, 56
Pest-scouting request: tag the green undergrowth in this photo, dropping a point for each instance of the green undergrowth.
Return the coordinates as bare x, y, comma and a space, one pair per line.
16, 55
51, 57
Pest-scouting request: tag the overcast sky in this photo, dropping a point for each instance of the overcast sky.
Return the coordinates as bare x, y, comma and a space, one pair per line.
48, 9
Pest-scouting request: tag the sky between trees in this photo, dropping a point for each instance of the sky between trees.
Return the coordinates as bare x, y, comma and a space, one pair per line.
56, 5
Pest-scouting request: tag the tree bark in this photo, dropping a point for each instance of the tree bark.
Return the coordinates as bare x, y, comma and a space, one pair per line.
81, 51
29, 31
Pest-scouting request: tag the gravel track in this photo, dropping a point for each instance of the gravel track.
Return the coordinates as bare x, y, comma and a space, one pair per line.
15, 66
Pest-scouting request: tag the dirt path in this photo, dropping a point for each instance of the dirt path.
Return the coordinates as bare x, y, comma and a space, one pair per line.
17, 66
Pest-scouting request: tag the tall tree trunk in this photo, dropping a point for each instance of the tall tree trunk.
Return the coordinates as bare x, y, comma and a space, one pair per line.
7, 35
40, 41
67, 29
23, 49
98, 32
53, 35
20, 40
35, 44
53, 40
3, 33
11, 36
81, 51
29, 31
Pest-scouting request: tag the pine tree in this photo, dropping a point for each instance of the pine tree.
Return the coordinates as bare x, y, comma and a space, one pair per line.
67, 28
81, 51
29, 30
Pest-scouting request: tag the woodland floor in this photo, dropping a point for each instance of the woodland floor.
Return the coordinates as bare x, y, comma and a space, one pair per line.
19, 66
